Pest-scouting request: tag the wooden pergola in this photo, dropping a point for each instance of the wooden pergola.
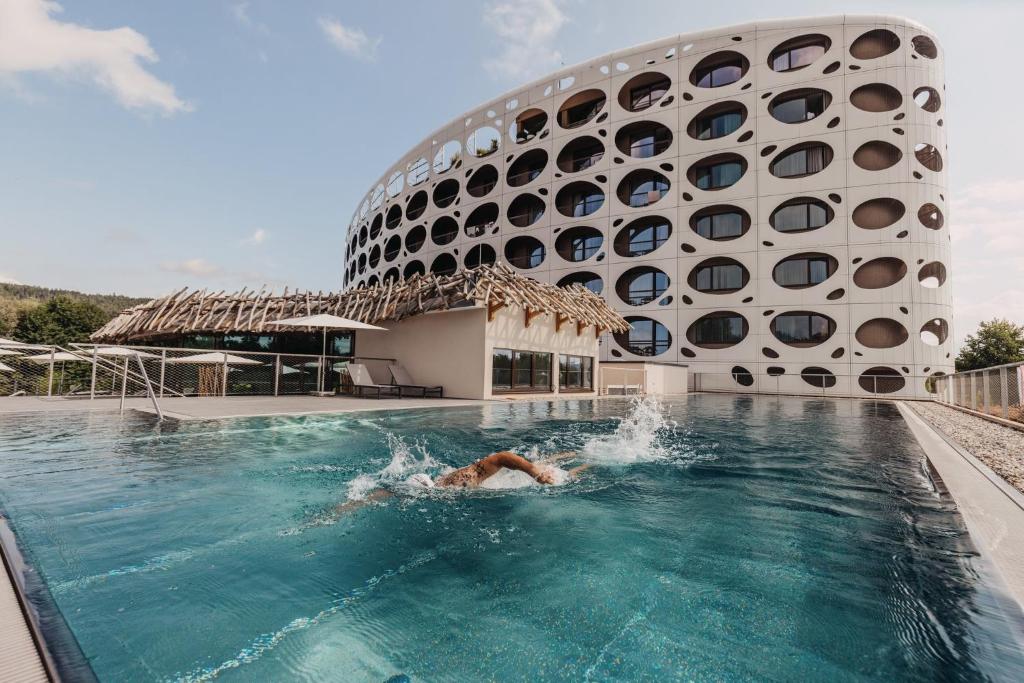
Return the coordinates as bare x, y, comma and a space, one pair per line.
496, 287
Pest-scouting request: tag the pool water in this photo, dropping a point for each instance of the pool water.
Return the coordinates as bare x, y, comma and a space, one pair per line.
714, 537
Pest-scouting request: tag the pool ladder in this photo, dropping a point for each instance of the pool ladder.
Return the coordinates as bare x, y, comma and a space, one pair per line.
120, 371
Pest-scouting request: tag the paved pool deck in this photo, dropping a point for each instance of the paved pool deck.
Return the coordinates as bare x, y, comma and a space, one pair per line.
992, 509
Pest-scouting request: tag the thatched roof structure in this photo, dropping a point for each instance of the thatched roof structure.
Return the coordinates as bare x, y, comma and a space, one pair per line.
497, 286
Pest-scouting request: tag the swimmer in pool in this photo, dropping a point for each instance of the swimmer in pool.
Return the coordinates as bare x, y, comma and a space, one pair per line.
472, 476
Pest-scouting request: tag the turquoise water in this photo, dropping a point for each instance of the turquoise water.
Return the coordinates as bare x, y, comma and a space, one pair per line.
716, 537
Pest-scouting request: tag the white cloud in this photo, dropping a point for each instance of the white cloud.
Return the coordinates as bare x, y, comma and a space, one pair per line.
351, 41
526, 30
257, 238
8, 280
33, 41
197, 266
987, 231
240, 11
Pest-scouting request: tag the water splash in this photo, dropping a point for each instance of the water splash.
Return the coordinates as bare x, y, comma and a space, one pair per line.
403, 464
636, 439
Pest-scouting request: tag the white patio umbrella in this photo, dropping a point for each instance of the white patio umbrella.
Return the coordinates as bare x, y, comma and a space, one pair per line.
5, 352
121, 351
11, 344
325, 321
6, 368
60, 356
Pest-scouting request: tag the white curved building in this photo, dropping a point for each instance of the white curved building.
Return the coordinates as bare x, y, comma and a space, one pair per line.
765, 202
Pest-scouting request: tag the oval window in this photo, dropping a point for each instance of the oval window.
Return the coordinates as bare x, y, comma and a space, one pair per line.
641, 285
396, 183
480, 255
413, 268
591, 281
524, 252
932, 275
645, 337
643, 91
643, 139
881, 380
934, 332
526, 168
581, 108
881, 333
528, 125
802, 329
721, 222
446, 192
875, 214
928, 99
483, 141
417, 205
482, 181
718, 330
798, 106
879, 273
392, 248
579, 243
394, 217
642, 236
415, 238
928, 156
796, 53
800, 161
579, 199
419, 171
876, 98
444, 264
877, 155
447, 156
719, 275
818, 377
580, 153
874, 44
525, 210
642, 187
801, 271
717, 121
482, 220
719, 69
801, 214
444, 230
925, 46
930, 216
717, 172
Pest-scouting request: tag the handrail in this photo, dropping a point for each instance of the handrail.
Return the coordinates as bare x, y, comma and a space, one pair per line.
95, 359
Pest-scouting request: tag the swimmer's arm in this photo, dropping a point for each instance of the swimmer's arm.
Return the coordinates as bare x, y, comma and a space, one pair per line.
511, 461
559, 457
371, 497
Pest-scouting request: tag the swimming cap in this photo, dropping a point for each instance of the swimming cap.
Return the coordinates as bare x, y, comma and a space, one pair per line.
420, 479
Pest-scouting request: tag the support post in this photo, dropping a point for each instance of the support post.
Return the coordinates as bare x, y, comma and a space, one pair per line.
986, 391
559, 321
1004, 391
92, 381
224, 379
492, 309
529, 315
277, 371
163, 370
49, 379
579, 328
124, 383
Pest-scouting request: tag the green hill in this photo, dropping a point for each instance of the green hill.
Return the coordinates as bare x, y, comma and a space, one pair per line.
15, 299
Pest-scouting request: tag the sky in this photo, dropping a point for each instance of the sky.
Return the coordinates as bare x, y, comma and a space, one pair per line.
149, 146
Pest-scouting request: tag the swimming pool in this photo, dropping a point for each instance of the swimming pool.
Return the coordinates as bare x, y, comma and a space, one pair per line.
724, 537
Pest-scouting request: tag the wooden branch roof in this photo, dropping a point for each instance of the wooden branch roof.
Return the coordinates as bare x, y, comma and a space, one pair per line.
203, 312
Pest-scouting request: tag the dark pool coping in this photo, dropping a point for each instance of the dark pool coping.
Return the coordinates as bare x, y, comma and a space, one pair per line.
991, 508
38, 607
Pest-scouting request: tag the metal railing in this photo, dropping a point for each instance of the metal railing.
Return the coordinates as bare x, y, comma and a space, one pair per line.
996, 391
88, 371
789, 382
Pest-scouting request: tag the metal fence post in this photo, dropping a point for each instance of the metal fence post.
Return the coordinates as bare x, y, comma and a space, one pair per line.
163, 370
277, 371
1004, 392
124, 383
49, 380
92, 385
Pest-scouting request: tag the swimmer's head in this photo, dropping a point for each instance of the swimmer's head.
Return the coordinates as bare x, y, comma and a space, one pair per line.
420, 479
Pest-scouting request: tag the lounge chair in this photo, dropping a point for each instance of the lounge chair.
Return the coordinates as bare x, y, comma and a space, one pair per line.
363, 384
405, 384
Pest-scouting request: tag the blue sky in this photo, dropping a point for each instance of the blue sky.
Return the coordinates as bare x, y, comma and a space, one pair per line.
153, 145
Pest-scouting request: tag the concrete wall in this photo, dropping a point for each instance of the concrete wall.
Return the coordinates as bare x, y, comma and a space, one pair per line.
655, 378
445, 348
915, 64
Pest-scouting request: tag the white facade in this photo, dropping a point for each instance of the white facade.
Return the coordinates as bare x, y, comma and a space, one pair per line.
870, 107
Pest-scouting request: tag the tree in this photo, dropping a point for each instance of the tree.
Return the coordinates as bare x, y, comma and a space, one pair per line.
995, 343
10, 310
59, 321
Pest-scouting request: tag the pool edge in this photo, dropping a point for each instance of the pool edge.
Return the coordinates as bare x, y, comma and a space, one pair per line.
992, 510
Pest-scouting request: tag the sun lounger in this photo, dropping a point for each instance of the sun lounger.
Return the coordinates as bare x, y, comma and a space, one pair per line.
363, 384
407, 387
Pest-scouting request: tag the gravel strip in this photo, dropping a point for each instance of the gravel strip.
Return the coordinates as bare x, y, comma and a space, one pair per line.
999, 447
